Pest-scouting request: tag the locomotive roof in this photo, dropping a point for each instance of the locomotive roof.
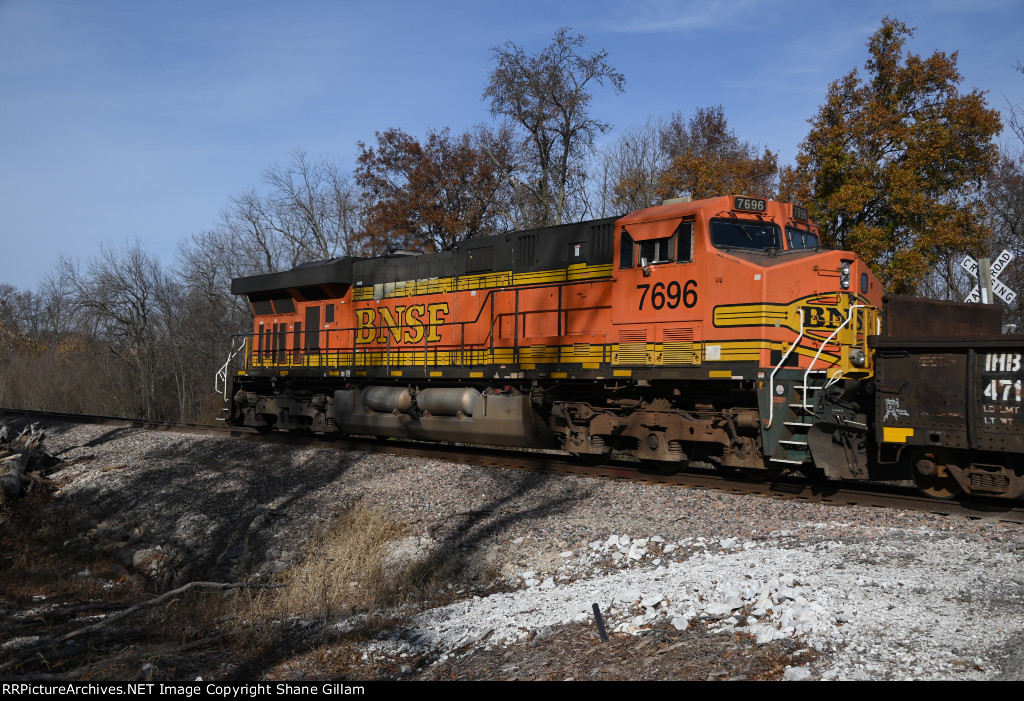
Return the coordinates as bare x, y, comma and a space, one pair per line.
336, 270
546, 247
670, 211
676, 210
530, 250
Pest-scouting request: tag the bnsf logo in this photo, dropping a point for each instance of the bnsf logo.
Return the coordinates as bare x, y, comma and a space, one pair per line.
822, 317
407, 324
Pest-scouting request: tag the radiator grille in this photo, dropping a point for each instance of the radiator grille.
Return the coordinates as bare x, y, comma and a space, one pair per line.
535, 353
677, 348
632, 347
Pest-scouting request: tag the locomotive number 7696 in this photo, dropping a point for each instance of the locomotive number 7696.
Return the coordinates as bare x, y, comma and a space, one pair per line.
671, 295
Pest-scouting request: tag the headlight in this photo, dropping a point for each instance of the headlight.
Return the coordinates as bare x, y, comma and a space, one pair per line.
857, 357
844, 274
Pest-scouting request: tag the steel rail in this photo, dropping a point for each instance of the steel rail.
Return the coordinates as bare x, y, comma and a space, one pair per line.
789, 487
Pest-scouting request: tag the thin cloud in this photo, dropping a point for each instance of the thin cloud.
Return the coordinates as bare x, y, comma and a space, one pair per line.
667, 16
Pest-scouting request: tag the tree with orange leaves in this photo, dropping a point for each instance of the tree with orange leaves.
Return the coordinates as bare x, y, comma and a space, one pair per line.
893, 166
707, 159
429, 196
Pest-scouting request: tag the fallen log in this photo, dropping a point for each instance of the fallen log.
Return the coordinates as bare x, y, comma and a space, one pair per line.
16, 456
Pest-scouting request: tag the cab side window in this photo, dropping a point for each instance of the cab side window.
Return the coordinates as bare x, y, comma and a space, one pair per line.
677, 248
684, 242
626, 251
655, 251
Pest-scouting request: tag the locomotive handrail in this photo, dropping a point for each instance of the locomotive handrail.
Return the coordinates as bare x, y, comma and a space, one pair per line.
771, 378
221, 376
459, 350
849, 317
832, 381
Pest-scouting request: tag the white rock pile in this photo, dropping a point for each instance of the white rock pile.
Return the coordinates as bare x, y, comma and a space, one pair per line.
875, 610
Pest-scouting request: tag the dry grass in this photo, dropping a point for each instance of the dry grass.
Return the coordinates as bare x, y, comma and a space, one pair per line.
344, 572
347, 569
343, 568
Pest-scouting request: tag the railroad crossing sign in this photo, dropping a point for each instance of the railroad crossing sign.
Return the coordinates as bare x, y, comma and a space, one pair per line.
998, 288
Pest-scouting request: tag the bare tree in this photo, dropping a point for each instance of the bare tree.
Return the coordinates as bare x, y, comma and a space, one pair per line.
193, 346
118, 292
309, 211
313, 206
1005, 187
210, 260
547, 98
56, 306
632, 169
207, 315
247, 224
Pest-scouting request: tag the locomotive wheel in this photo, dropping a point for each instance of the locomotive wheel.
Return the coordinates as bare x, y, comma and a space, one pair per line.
933, 478
938, 487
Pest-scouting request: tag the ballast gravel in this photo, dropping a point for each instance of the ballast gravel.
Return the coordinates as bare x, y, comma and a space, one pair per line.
877, 593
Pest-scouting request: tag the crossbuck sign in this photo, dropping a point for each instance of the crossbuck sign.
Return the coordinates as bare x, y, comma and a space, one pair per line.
999, 289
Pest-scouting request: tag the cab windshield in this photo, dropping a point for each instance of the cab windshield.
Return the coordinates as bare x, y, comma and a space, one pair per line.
742, 233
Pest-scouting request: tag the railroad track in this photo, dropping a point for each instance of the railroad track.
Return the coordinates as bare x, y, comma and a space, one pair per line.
793, 487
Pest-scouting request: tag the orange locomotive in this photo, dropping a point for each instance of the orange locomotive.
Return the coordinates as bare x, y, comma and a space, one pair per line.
694, 329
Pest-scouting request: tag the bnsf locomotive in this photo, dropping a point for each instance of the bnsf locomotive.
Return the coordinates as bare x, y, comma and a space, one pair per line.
717, 330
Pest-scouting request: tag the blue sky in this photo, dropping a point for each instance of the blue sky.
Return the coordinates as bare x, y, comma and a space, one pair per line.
123, 120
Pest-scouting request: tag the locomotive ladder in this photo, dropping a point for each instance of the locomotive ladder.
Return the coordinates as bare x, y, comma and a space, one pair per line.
793, 449
851, 313
798, 420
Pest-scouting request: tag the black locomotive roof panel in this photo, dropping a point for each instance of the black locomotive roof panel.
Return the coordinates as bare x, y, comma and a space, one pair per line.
522, 251
396, 268
337, 271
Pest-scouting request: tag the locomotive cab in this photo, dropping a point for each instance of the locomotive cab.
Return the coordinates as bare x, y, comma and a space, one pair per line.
739, 291
712, 267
